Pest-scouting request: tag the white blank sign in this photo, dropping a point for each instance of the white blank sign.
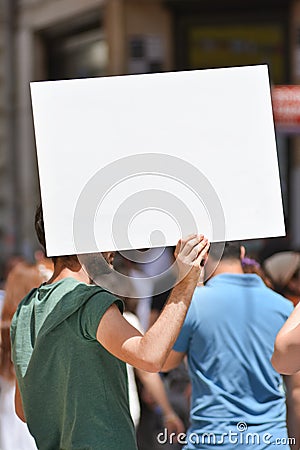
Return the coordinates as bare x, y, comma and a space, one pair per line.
138, 161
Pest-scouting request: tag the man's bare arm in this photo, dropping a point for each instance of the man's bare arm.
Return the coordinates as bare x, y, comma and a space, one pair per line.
149, 352
286, 356
173, 360
293, 408
18, 404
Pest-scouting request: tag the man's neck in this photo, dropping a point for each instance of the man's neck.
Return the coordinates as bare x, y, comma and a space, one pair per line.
229, 266
63, 272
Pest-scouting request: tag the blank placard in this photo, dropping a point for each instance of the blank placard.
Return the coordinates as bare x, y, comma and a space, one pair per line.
138, 161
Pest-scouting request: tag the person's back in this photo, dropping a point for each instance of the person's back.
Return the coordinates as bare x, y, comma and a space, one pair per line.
228, 335
65, 398
14, 433
235, 319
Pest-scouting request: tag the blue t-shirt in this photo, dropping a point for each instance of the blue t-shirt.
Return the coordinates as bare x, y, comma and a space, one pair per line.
229, 336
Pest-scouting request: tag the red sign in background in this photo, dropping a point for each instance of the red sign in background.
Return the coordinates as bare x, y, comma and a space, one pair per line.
286, 106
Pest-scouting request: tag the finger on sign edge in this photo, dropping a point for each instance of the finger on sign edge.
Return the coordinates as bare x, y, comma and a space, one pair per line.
178, 247
202, 254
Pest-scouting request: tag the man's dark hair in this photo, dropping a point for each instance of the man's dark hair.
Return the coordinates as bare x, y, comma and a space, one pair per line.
225, 251
69, 260
39, 226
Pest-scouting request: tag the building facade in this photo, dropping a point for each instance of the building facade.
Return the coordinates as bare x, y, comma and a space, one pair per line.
57, 39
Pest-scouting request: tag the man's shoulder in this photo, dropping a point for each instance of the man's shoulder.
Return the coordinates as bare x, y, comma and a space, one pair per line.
69, 293
278, 299
203, 293
230, 285
69, 285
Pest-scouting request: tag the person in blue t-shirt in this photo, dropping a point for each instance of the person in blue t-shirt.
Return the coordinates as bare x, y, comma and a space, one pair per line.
238, 399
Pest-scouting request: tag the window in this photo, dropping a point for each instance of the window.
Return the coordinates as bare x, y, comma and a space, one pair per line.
78, 53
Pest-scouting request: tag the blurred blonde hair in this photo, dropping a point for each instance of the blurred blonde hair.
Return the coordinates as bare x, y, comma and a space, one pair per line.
21, 279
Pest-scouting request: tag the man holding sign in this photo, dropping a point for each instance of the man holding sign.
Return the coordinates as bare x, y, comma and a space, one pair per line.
69, 339
70, 345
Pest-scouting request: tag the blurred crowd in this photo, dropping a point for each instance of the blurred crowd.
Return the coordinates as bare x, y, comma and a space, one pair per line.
156, 400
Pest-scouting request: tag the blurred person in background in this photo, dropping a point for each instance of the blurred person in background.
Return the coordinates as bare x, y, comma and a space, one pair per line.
151, 384
152, 388
162, 288
14, 434
2, 292
44, 264
177, 381
12, 261
283, 269
270, 246
144, 267
228, 336
250, 265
